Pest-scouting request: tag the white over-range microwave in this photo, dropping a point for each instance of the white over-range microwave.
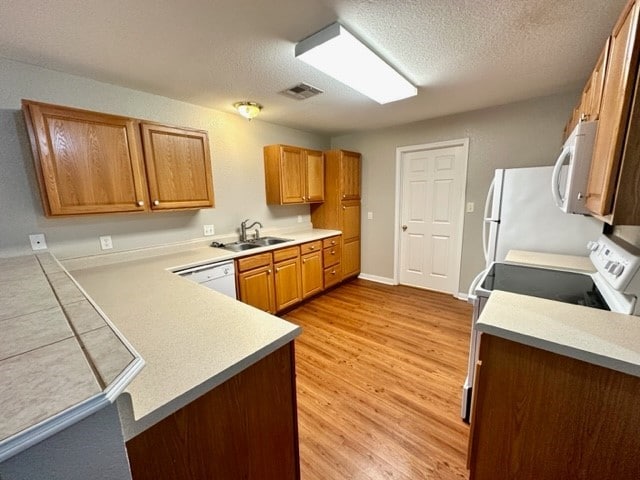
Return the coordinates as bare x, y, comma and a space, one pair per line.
571, 172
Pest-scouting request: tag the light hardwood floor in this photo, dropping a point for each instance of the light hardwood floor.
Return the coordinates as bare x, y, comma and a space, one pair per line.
379, 375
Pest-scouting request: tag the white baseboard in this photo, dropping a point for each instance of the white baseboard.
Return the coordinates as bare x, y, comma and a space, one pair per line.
377, 279
462, 296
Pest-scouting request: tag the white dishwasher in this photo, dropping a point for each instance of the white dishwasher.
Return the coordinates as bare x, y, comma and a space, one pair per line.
220, 277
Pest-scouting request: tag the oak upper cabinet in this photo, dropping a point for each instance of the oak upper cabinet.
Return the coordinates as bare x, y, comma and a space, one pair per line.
256, 282
539, 415
613, 192
341, 208
85, 162
88, 162
288, 282
312, 274
293, 175
178, 167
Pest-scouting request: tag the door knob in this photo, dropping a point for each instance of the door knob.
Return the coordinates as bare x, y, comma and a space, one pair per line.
404, 228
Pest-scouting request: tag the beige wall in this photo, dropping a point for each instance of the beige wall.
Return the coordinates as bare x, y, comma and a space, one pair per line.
236, 149
516, 135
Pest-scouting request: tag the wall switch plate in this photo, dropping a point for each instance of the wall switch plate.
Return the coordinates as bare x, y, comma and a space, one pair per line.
300, 218
208, 230
38, 242
471, 207
369, 215
106, 243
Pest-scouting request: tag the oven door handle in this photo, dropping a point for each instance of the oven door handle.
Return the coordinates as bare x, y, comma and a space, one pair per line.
471, 295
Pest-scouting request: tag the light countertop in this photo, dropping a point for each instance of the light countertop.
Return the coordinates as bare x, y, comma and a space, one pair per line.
60, 359
192, 338
573, 263
600, 337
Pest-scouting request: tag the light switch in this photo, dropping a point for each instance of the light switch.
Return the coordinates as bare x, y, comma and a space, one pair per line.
369, 215
471, 207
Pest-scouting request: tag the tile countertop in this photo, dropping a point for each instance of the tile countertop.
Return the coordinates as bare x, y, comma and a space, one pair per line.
60, 359
191, 338
600, 337
574, 263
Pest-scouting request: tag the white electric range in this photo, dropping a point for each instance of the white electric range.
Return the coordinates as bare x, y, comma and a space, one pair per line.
614, 286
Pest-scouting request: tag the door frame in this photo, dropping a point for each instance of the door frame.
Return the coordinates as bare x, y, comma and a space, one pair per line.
461, 142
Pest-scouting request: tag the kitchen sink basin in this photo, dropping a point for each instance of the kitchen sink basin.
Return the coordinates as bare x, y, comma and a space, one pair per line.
240, 246
255, 243
266, 241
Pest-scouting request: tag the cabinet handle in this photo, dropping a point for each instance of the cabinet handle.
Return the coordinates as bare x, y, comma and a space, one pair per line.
269, 272
344, 196
343, 207
277, 270
312, 247
333, 252
333, 242
156, 202
304, 260
140, 203
333, 272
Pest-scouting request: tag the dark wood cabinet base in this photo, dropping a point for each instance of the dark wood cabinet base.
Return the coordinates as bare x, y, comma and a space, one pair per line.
245, 428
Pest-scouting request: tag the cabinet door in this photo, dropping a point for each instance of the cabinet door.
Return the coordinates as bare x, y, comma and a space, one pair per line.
312, 274
257, 289
314, 176
350, 176
288, 284
595, 87
86, 162
614, 112
292, 175
178, 167
350, 258
350, 224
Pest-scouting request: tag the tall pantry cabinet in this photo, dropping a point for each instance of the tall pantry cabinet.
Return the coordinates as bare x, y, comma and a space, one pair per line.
341, 207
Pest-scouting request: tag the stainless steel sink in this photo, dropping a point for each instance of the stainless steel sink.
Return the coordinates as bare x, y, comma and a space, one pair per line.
256, 243
240, 246
266, 241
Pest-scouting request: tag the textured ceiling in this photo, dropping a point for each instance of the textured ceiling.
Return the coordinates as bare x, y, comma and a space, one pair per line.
462, 54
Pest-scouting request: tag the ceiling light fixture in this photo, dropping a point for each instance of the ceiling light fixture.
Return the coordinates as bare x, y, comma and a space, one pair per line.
248, 110
336, 52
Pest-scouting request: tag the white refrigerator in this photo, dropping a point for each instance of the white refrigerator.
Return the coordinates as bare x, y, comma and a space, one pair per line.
520, 214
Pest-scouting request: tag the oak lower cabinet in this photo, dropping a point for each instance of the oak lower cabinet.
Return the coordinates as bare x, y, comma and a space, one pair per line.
288, 283
89, 162
312, 268
293, 175
341, 209
331, 259
538, 415
256, 281
245, 428
612, 192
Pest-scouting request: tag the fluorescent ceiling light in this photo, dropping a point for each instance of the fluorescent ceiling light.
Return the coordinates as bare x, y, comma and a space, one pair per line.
334, 51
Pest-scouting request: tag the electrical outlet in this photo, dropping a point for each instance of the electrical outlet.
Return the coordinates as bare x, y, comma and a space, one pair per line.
471, 207
369, 215
209, 230
38, 242
106, 243
300, 218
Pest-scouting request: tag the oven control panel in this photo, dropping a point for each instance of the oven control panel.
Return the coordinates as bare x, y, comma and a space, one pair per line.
616, 260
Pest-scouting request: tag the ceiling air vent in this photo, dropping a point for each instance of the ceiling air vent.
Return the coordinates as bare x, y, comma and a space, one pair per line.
301, 91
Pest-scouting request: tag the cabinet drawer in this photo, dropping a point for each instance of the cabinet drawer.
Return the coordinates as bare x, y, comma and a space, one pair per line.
331, 241
254, 261
311, 247
285, 254
331, 255
332, 275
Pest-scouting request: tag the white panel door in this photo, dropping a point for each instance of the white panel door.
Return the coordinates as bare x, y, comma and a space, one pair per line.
431, 216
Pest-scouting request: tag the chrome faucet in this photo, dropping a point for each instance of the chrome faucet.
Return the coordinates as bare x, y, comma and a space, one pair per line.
244, 227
